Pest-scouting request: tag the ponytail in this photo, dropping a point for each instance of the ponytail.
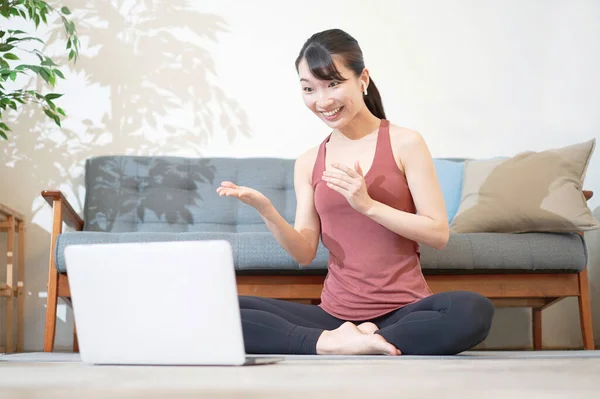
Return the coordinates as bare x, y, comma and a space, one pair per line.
373, 100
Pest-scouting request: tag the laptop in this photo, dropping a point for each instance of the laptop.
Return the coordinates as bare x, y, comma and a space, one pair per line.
157, 303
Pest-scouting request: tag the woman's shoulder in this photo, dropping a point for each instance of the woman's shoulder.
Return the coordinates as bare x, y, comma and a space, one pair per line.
308, 156
306, 161
407, 144
404, 135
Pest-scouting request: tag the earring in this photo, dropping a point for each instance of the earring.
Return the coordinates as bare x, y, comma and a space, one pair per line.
365, 88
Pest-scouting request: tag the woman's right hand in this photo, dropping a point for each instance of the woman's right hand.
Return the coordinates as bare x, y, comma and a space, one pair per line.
247, 195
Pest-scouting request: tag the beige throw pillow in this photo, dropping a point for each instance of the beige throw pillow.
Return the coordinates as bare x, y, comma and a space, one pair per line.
532, 191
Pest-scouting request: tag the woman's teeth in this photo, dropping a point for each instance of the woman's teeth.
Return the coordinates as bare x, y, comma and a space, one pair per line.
331, 113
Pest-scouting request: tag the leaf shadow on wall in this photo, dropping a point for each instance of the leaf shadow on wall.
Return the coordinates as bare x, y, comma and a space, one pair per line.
145, 84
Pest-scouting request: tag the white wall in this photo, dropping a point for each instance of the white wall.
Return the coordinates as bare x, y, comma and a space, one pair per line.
217, 78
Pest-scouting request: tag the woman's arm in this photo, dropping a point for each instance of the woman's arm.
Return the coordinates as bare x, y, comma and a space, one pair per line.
430, 225
302, 240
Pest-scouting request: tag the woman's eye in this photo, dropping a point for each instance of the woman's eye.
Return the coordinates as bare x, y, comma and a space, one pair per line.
333, 84
307, 89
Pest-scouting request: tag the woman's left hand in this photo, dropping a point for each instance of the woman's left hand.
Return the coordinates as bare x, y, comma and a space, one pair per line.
351, 184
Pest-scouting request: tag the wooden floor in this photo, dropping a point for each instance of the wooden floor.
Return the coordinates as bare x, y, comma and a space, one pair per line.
368, 378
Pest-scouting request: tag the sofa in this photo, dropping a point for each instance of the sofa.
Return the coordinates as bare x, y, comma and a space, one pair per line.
162, 198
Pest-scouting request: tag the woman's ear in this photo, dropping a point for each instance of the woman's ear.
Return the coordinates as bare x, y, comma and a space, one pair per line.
364, 77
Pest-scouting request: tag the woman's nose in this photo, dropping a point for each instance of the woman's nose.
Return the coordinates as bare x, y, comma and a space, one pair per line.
324, 101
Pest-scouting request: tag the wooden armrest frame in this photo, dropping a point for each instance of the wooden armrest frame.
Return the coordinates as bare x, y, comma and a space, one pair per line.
67, 213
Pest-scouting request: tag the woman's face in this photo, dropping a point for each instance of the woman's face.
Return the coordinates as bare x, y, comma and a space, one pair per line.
334, 102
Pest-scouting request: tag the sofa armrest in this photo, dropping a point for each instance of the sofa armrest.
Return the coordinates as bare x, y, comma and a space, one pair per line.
68, 214
588, 194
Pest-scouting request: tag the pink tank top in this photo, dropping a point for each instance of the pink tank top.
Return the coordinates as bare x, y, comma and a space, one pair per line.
372, 270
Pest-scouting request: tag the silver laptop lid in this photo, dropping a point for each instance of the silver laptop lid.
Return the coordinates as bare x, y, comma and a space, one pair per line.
156, 303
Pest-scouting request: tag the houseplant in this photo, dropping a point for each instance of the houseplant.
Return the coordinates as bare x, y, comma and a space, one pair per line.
15, 45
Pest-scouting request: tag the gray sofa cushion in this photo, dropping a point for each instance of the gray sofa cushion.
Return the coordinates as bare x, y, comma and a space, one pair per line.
504, 251
476, 252
251, 251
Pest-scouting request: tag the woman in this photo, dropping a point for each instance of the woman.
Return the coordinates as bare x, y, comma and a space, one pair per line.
370, 190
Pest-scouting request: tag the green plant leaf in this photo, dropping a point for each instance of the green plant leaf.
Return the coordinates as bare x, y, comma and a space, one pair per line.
46, 76
48, 62
65, 11
3, 126
53, 96
58, 73
6, 47
3, 135
13, 76
11, 56
60, 111
40, 56
52, 116
22, 39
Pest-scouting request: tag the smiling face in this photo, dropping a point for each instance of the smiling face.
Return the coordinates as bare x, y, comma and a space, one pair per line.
335, 101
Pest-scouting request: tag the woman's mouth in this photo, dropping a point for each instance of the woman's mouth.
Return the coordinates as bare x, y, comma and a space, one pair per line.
330, 115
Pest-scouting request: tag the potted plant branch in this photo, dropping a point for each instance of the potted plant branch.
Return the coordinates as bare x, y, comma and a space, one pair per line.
15, 43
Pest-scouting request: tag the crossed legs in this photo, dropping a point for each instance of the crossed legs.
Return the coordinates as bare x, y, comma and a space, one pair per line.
442, 324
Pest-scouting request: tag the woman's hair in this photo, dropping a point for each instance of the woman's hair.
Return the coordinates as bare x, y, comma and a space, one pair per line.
318, 51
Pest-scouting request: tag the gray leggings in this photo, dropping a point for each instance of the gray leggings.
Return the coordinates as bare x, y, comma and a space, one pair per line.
442, 324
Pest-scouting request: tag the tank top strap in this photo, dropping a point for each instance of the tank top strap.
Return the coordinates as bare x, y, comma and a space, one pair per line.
319, 166
383, 153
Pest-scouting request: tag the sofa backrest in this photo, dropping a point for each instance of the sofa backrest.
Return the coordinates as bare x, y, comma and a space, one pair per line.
175, 194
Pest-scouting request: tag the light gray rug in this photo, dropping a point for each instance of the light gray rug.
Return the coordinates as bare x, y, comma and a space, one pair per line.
61, 357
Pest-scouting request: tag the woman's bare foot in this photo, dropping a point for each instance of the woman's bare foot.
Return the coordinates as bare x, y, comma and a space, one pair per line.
349, 340
368, 328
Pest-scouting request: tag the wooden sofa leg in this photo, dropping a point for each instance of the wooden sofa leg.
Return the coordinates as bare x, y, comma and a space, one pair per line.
51, 302
536, 316
75, 340
52, 298
585, 311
